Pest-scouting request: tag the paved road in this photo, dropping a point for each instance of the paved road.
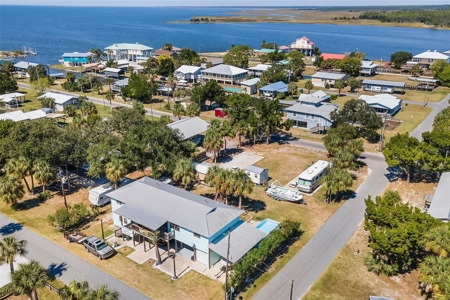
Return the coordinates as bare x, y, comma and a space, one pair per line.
63, 264
155, 113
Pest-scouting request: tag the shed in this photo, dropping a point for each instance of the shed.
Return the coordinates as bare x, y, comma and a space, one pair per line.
202, 170
382, 86
257, 174
250, 85
220, 113
112, 72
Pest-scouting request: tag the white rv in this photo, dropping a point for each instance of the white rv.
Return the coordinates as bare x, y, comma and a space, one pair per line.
309, 180
97, 196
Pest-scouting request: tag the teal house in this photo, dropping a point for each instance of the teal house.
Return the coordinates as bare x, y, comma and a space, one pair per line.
76, 58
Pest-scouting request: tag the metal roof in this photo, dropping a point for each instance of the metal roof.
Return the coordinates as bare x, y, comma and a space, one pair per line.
122, 82
260, 67
267, 50
250, 82
315, 169
431, 55
35, 114
190, 127
328, 75
77, 54
384, 83
385, 100
440, 206
113, 70
202, 168
368, 64
11, 95
149, 197
278, 86
315, 97
255, 169
242, 239
59, 98
149, 219
15, 116
322, 111
326, 56
185, 69
225, 70
25, 65
126, 46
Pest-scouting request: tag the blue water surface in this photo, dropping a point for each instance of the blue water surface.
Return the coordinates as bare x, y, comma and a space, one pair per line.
55, 30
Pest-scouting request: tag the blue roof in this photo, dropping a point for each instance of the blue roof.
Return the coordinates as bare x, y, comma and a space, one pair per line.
279, 86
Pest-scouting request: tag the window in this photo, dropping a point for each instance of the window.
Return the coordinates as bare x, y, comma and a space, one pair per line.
294, 114
174, 227
312, 117
197, 235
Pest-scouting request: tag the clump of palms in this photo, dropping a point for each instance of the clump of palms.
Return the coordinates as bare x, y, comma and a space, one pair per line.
115, 170
28, 278
10, 247
184, 172
44, 173
81, 291
242, 185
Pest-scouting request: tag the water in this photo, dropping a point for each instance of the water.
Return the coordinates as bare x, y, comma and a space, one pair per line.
55, 30
267, 225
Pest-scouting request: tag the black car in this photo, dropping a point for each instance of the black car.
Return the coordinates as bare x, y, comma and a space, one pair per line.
98, 247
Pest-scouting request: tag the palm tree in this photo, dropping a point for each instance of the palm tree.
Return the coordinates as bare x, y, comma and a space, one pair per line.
309, 85
239, 129
109, 95
44, 173
292, 89
213, 178
115, 170
171, 80
438, 240
28, 278
242, 185
178, 111
226, 131
213, 142
88, 108
70, 77
434, 271
339, 84
184, 171
102, 293
11, 189
108, 81
75, 290
10, 247
154, 237
167, 46
19, 167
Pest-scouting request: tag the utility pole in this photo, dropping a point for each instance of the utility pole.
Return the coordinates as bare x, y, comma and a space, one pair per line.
64, 194
226, 267
382, 132
292, 289
103, 233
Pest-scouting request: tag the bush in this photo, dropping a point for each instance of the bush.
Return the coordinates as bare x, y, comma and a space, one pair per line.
301, 91
333, 97
66, 219
281, 96
167, 106
44, 196
71, 87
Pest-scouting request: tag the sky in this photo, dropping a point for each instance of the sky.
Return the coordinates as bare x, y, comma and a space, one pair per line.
221, 2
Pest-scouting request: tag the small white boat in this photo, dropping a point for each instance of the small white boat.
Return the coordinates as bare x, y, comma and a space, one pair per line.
283, 194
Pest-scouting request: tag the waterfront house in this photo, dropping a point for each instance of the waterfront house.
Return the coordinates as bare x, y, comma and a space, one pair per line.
316, 98
440, 203
322, 78
196, 226
119, 84
250, 86
326, 56
128, 51
383, 103
368, 68
12, 100
22, 66
271, 90
304, 45
160, 52
188, 73
257, 70
284, 49
224, 74
191, 129
62, 100
428, 58
310, 116
112, 72
382, 86
76, 58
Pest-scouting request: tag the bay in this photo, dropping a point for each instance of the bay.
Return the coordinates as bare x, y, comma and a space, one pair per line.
55, 30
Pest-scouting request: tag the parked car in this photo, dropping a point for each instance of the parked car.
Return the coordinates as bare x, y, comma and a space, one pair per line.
98, 247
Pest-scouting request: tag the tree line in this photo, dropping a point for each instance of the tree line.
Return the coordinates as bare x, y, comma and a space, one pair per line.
437, 18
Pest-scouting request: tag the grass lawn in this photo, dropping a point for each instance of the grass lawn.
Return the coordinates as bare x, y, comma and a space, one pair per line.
62, 67
44, 292
412, 115
436, 96
285, 163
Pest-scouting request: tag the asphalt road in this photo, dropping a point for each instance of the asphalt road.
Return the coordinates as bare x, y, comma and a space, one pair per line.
62, 263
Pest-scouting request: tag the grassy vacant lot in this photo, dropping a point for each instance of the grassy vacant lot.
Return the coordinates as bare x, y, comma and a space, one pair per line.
285, 163
347, 277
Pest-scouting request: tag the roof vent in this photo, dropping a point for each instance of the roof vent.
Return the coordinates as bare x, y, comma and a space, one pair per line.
137, 43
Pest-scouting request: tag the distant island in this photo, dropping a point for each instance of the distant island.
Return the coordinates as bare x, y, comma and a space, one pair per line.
406, 16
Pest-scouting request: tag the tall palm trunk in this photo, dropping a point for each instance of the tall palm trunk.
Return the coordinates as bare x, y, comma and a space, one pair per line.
240, 142
240, 201
34, 295
32, 183
11, 266
158, 255
26, 183
225, 145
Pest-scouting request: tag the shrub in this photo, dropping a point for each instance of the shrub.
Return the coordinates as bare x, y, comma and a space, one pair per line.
167, 106
44, 196
281, 96
65, 219
333, 97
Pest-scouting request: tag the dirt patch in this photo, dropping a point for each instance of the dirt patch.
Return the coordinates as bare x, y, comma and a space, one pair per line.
392, 125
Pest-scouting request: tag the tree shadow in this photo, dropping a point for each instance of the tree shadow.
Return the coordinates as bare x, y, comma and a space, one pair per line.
10, 228
27, 204
57, 270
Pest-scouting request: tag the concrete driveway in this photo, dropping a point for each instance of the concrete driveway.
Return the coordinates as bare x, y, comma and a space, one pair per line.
242, 161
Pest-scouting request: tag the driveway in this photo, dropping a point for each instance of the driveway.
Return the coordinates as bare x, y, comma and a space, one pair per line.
242, 161
63, 264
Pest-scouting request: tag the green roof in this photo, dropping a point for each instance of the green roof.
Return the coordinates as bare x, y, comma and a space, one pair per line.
126, 46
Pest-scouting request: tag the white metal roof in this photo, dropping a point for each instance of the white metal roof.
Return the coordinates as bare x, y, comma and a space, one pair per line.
315, 97
114, 70
314, 170
250, 82
202, 168
225, 70
385, 100
11, 95
322, 111
126, 46
440, 206
185, 69
368, 64
25, 64
447, 52
260, 67
431, 55
190, 127
328, 75
35, 114
59, 98
255, 169
384, 83
15, 116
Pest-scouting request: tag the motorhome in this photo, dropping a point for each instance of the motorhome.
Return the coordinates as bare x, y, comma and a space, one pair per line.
97, 196
309, 180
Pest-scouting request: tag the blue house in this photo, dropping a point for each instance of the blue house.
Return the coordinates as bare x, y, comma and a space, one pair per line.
195, 226
310, 116
273, 89
383, 103
76, 58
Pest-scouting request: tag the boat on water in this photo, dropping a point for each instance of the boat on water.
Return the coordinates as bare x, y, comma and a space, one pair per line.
283, 194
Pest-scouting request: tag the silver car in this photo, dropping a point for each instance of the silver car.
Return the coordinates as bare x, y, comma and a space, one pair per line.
98, 247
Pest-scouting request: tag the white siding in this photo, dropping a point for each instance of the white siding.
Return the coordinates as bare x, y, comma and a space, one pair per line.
114, 206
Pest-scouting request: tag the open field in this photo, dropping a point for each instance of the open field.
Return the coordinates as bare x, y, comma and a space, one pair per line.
347, 277
285, 162
303, 16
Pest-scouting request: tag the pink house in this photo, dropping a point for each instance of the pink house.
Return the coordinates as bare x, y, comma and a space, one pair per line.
304, 45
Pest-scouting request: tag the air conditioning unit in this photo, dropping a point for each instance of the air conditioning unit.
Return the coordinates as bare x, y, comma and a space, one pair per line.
74, 101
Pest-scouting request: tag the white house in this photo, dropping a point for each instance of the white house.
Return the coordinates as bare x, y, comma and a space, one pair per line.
257, 70
383, 103
310, 116
62, 100
250, 85
112, 72
440, 204
368, 68
188, 73
128, 51
197, 227
427, 58
382, 86
303, 45
23, 65
225, 74
12, 100
322, 78
315, 98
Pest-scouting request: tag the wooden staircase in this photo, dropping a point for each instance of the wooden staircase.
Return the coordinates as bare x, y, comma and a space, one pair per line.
319, 129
